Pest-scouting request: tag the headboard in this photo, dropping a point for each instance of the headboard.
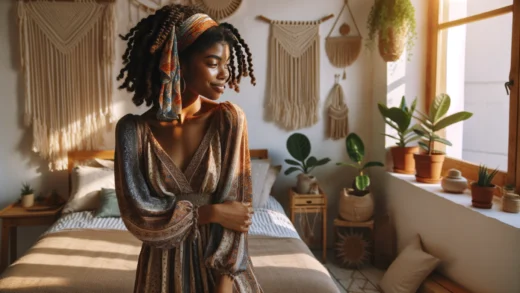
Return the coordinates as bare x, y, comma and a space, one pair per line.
80, 156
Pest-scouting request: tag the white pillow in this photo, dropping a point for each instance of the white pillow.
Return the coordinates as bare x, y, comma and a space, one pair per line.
86, 184
272, 173
411, 267
259, 169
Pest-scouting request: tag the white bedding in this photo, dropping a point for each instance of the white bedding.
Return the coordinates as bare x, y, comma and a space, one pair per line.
269, 220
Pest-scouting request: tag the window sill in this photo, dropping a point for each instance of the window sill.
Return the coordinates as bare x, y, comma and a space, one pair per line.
463, 200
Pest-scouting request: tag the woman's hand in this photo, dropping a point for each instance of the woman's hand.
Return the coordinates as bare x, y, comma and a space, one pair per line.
234, 215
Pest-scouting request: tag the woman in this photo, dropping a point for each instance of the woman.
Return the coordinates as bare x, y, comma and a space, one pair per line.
183, 178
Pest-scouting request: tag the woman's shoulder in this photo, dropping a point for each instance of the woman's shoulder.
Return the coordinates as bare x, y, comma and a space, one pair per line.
232, 111
127, 123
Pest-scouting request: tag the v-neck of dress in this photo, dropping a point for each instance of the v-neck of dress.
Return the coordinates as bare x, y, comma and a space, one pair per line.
187, 174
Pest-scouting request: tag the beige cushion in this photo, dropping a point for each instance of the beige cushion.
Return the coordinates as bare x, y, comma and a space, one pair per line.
259, 169
86, 184
411, 267
272, 173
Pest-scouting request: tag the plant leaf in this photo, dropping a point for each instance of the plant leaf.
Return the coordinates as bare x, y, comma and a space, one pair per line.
411, 138
362, 182
400, 118
412, 107
348, 165
322, 161
293, 162
311, 161
355, 147
391, 136
291, 170
441, 140
440, 107
452, 119
402, 106
421, 133
373, 164
424, 146
299, 146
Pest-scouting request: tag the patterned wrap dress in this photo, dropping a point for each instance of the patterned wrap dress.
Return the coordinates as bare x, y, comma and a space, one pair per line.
159, 201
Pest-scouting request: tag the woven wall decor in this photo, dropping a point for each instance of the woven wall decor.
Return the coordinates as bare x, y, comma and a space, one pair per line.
294, 73
343, 50
219, 9
337, 120
67, 54
139, 9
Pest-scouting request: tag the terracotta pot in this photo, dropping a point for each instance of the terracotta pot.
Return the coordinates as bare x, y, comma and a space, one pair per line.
355, 208
482, 197
27, 200
402, 157
428, 167
304, 183
392, 46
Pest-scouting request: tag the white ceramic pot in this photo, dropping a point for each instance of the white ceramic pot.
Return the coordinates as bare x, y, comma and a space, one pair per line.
454, 182
27, 200
355, 208
304, 183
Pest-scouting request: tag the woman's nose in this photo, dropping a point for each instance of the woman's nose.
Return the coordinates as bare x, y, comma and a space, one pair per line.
223, 73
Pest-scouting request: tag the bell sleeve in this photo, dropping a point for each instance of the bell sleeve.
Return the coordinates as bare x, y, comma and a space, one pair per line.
227, 251
158, 221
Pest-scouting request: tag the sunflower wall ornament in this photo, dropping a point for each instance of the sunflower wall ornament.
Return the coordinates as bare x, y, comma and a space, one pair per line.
352, 249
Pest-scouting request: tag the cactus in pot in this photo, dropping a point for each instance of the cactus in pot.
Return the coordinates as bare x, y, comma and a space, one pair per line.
27, 195
482, 191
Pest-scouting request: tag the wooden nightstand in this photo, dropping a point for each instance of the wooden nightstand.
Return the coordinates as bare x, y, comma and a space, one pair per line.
14, 216
309, 204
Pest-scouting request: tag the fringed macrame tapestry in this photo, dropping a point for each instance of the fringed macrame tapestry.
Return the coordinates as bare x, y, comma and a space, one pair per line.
67, 53
337, 120
343, 50
294, 73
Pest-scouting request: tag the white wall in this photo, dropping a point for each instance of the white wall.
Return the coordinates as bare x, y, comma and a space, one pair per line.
478, 252
19, 164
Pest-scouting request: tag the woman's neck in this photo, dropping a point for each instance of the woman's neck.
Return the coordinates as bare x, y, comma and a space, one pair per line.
191, 104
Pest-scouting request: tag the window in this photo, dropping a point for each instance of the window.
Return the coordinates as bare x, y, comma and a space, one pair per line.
474, 56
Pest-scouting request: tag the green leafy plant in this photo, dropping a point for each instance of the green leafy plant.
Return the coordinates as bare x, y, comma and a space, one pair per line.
484, 177
391, 14
356, 153
400, 118
26, 189
299, 148
435, 121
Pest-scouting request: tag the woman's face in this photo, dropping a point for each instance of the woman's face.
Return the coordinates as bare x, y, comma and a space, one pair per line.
206, 73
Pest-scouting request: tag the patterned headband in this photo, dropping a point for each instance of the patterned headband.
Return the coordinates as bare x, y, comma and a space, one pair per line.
170, 101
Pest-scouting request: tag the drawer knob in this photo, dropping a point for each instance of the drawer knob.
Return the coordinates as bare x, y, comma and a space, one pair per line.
309, 201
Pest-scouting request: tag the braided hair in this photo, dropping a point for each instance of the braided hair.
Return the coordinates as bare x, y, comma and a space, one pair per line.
144, 47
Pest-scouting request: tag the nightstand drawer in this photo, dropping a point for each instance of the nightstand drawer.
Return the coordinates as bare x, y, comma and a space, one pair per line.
309, 201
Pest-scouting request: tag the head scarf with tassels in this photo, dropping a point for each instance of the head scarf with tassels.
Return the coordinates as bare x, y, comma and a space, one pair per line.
170, 101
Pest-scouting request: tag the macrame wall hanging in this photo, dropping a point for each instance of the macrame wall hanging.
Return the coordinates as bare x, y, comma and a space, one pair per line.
217, 9
337, 120
343, 50
67, 55
294, 72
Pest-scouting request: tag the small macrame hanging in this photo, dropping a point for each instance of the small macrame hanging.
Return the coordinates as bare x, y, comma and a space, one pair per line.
337, 120
308, 235
67, 55
139, 9
219, 9
343, 50
294, 73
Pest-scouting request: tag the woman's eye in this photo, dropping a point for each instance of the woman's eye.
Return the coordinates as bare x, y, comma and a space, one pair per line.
213, 65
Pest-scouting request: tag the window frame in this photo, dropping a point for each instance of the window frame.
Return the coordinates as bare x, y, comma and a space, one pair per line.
435, 77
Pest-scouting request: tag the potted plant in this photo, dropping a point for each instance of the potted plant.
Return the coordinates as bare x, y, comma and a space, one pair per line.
299, 148
356, 204
393, 21
400, 118
27, 194
482, 191
428, 165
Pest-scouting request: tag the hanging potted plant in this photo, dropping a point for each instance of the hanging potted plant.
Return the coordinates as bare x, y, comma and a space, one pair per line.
356, 204
400, 118
27, 194
299, 148
482, 190
393, 22
428, 164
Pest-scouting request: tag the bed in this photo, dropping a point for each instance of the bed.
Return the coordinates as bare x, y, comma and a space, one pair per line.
81, 253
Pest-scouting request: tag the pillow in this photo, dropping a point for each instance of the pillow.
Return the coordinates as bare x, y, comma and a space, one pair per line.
272, 173
86, 183
108, 206
411, 267
259, 169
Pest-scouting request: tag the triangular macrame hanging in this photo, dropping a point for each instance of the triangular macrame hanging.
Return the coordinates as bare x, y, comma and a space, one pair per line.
343, 50
67, 53
294, 73
219, 9
337, 120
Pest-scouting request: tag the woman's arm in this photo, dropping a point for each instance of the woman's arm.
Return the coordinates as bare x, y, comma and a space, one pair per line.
233, 215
